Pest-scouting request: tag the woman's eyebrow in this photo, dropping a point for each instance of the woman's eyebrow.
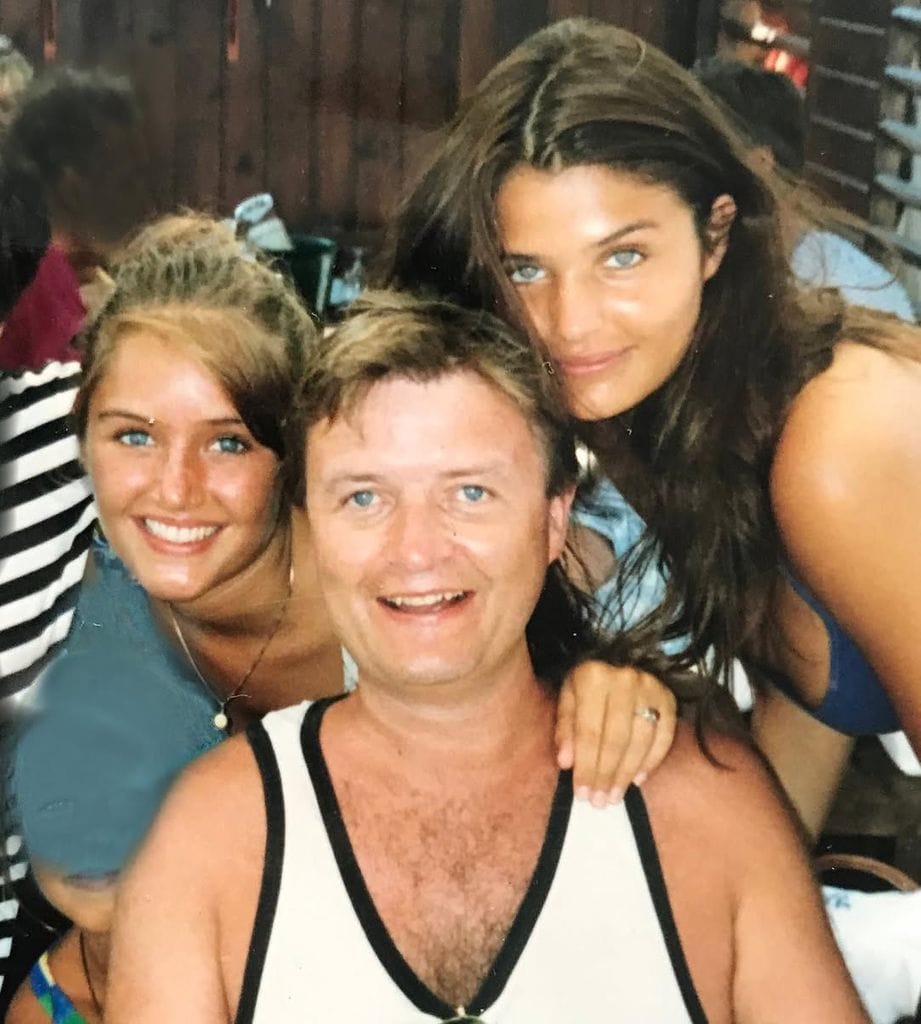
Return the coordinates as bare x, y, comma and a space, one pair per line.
610, 239
126, 414
627, 229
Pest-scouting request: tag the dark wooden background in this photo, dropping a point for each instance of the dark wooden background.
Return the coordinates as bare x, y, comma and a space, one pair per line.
329, 102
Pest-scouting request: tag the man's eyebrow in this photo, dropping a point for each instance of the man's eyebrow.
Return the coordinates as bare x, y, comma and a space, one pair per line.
339, 479
602, 243
477, 469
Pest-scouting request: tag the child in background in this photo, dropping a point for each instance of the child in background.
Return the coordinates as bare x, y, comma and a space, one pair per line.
90, 768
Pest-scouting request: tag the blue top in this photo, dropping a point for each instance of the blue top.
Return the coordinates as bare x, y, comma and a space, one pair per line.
825, 259
116, 718
113, 609
855, 701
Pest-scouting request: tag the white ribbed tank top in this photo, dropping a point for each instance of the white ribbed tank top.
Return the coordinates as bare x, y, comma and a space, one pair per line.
594, 939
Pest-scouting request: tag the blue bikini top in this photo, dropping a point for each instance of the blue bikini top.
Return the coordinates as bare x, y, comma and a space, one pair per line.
855, 701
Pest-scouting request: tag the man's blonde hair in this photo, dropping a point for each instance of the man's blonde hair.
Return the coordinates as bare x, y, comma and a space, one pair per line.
393, 334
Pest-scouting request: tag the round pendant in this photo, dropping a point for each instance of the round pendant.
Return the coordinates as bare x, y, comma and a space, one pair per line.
221, 721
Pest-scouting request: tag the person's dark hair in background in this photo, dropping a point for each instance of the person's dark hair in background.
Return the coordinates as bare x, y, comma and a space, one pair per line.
24, 234
769, 113
766, 107
81, 133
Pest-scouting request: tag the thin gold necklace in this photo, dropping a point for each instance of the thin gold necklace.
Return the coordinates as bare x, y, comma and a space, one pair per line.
221, 718
97, 1006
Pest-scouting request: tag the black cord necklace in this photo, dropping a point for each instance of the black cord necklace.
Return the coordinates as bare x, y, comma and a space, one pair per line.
97, 1006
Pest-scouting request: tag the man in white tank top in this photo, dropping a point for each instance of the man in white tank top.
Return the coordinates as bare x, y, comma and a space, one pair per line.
412, 852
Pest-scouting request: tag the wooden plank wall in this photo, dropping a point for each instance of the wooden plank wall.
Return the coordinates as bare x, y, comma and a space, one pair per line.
850, 41
327, 103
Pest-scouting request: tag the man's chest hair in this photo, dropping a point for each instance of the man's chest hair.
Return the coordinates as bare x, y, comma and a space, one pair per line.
447, 879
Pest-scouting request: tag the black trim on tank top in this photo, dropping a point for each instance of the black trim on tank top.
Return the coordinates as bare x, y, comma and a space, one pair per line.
652, 868
390, 957
264, 753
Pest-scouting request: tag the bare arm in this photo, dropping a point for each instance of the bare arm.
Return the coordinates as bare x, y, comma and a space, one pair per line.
788, 968
808, 757
615, 724
747, 907
846, 488
170, 949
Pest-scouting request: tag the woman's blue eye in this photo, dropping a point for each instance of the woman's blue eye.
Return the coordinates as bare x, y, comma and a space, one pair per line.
525, 273
134, 438
625, 258
231, 445
363, 499
473, 492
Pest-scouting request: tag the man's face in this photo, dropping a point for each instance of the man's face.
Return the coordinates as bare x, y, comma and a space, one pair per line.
432, 530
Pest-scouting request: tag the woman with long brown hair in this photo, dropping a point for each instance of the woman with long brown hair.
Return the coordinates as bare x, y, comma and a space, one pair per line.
591, 191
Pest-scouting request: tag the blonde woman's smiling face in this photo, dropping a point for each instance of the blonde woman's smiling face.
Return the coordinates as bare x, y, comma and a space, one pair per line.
186, 495
610, 270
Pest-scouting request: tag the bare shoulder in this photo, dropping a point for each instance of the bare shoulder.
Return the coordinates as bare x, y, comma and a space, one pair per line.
217, 795
704, 797
851, 431
744, 899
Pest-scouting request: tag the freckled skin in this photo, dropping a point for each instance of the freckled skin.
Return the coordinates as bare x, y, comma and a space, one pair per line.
195, 465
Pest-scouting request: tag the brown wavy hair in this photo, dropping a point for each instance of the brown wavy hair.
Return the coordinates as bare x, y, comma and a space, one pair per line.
696, 460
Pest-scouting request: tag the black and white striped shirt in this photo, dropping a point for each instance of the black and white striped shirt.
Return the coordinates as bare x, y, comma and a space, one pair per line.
46, 518
46, 523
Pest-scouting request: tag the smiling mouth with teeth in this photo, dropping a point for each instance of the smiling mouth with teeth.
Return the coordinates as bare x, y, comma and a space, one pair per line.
179, 534
425, 602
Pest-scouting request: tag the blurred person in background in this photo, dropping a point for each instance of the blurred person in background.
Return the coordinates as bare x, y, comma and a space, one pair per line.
81, 133
41, 310
747, 30
770, 114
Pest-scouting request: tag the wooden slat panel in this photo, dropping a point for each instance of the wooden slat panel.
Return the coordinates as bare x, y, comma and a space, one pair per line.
515, 22
378, 130
852, 195
477, 52
430, 60
844, 46
848, 152
852, 100
294, 157
153, 60
71, 38
648, 20
105, 28
869, 12
21, 21
243, 108
198, 89
622, 13
557, 9
336, 101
